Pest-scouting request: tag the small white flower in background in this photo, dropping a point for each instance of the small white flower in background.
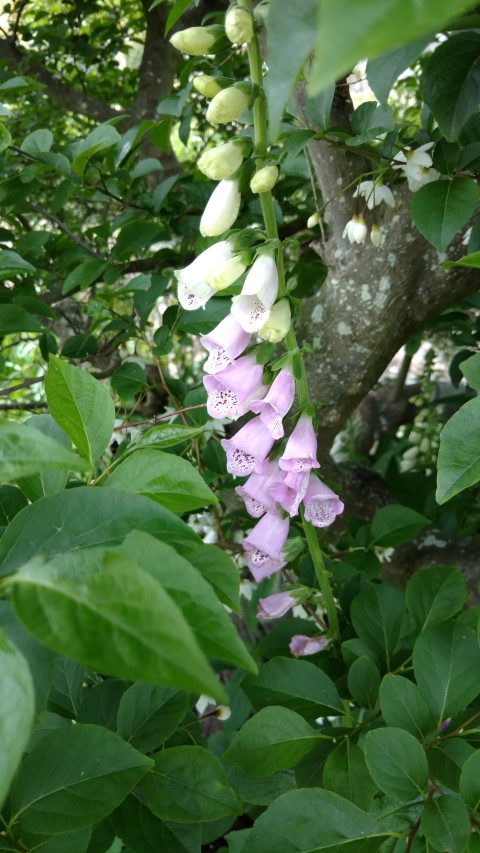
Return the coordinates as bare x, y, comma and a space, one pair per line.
376, 236
246, 589
374, 193
416, 166
356, 229
221, 210
313, 220
203, 703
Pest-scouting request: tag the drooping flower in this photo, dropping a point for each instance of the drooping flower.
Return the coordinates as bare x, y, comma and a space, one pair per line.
221, 162
290, 491
321, 504
227, 105
225, 343
374, 192
196, 41
206, 85
301, 645
238, 25
265, 179
247, 448
230, 391
416, 166
263, 546
275, 606
198, 281
278, 401
257, 491
355, 229
259, 292
301, 450
221, 210
278, 323
313, 220
376, 236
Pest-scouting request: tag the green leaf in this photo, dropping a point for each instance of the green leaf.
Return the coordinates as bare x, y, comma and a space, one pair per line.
221, 573
40, 140
74, 777
386, 69
84, 275
403, 706
364, 682
12, 263
162, 477
291, 35
470, 368
346, 773
25, 451
207, 618
103, 610
397, 763
274, 739
188, 785
394, 524
472, 260
136, 236
446, 759
459, 453
128, 380
17, 706
470, 782
260, 790
5, 137
148, 714
450, 81
81, 405
135, 824
441, 208
40, 660
445, 823
371, 28
100, 139
82, 518
16, 319
175, 13
67, 842
99, 703
163, 436
446, 662
295, 684
314, 820
11, 502
49, 482
435, 594
203, 320
377, 615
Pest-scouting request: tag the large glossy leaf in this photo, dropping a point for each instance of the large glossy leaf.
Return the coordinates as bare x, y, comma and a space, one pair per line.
104, 611
435, 594
135, 824
220, 571
470, 781
439, 209
74, 777
312, 820
346, 774
25, 451
446, 662
162, 477
445, 823
274, 739
450, 81
49, 482
148, 714
385, 70
397, 762
188, 785
82, 518
295, 684
17, 706
13, 318
377, 615
40, 660
200, 606
364, 682
403, 706
81, 405
459, 453
394, 524
163, 436
369, 29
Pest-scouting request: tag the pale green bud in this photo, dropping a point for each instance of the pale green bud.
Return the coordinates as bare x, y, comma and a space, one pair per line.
225, 276
221, 162
264, 179
206, 85
221, 210
278, 323
313, 220
238, 25
376, 236
196, 41
227, 106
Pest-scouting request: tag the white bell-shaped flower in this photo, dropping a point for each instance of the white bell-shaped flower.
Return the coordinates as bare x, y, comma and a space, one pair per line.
215, 268
252, 307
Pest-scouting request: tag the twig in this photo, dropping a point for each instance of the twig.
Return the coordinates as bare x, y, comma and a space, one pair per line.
17, 20
412, 836
25, 384
10, 407
153, 421
66, 230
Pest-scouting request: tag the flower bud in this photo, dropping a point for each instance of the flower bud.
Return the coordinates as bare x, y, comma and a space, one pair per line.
264, 179
196, 41
313, 220
227, 106
206, 85
376, 236
224, 277
221, 162
238, 25
221, 210
278, 323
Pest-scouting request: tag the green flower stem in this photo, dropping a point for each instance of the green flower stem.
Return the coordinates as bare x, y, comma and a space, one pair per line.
266, 201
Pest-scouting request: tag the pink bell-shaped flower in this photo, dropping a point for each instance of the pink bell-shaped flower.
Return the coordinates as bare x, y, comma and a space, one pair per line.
247, 448
275, 606
257, 491
301, 450
321, 504
263, 546
277, 402
290, 491
225, 343
301, 645
230, 391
